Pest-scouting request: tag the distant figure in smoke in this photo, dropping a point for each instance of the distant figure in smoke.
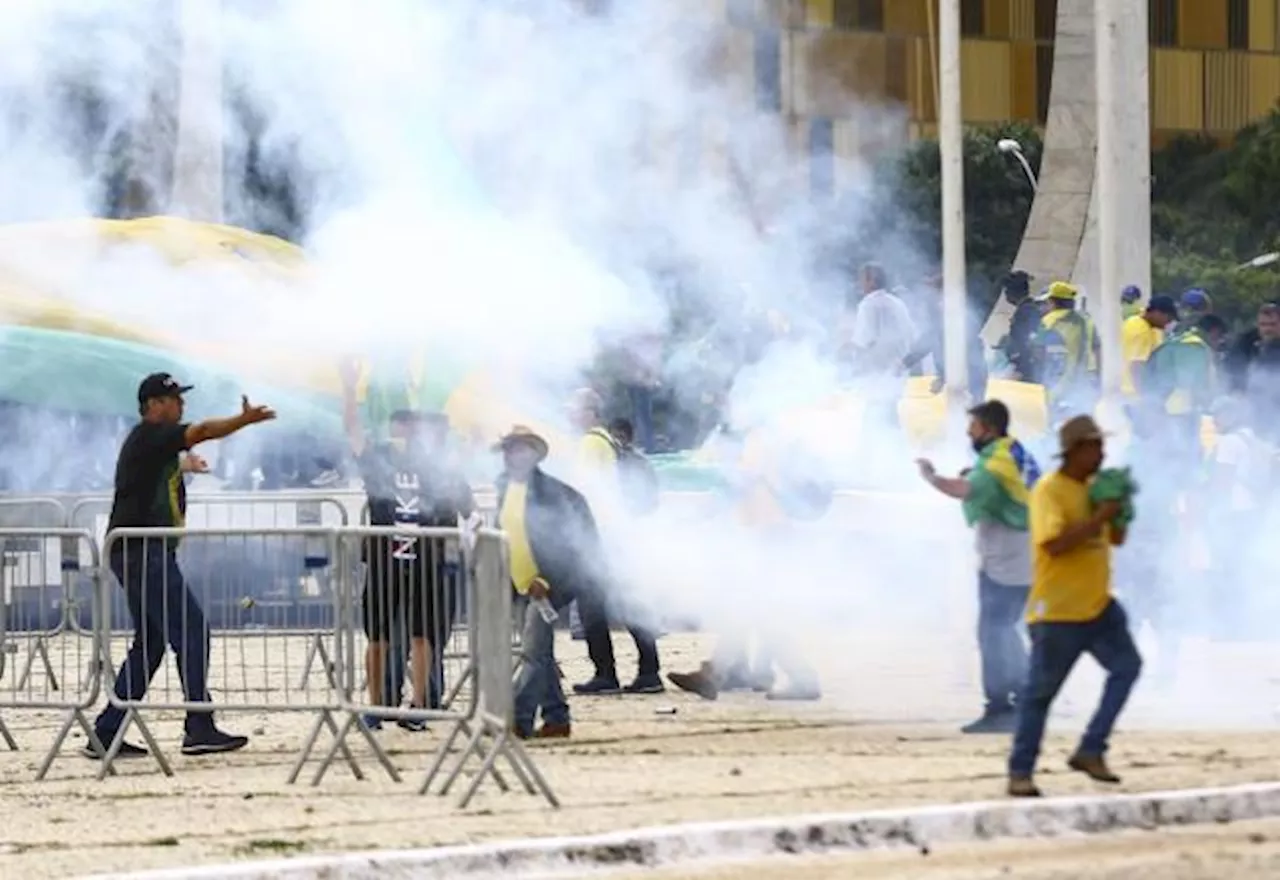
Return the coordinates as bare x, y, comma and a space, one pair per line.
765, 509
407, 584
932, 342
555, 556
150, 492
1066, 349
1017, 344
599, 480
879, 340
1130, 302
1070, 610
995, 494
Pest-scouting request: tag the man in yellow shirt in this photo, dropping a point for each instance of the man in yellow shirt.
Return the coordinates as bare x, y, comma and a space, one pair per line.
597, 477
554, 558
1142, 334
1070, 610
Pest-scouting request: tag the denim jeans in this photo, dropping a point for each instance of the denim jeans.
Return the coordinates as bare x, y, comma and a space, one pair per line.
537, 687
1004, 656
1055, 648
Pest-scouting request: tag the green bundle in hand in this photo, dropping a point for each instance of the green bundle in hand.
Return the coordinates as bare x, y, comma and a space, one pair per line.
1116, 484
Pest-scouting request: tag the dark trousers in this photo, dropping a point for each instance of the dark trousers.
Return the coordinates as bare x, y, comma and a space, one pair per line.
164, 614
595, 624
1004, 656
441, 628
641, 399
1055, 648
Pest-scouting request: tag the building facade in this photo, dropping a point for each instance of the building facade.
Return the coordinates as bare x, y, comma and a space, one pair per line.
1214, 64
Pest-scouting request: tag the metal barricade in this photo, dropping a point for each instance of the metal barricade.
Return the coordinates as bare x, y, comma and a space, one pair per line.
31, 603
401, 595
68, 677
494, 670
248, 634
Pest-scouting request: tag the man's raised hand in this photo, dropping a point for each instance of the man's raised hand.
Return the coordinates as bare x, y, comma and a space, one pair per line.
252, 414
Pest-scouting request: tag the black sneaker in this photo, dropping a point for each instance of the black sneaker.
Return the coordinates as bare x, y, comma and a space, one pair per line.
372, 722
1000, 721
212, 742
646, 684
413, 725
127, 750
598, 686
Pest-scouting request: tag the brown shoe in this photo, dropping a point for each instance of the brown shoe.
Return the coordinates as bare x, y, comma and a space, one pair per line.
553, 731
1022, 787
1092, 766
700, 683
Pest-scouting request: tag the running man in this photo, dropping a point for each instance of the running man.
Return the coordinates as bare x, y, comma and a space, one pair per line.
150, 492
1071, 610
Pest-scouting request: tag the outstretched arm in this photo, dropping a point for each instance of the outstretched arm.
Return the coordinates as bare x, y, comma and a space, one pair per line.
216, 429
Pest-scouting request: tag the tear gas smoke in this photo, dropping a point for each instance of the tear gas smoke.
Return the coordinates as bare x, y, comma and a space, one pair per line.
501, 185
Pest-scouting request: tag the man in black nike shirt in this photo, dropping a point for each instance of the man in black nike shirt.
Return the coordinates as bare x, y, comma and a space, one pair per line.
407, 589
150, 493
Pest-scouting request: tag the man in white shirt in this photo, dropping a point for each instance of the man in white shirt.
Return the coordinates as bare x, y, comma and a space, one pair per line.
881, 338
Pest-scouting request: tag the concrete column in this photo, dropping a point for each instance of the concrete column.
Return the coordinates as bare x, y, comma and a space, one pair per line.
197, 161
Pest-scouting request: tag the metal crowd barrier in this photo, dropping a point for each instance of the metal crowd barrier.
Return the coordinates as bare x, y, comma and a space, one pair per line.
254, 668
51, 561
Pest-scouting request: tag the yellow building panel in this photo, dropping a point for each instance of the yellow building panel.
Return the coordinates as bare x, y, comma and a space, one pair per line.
1264, 84
907, 16
995, 15
1177, 89
1022, 81
1226, 91
985, 80
1202, 24
832, 68
1022, 19
820, 13
1262, 25
920, 79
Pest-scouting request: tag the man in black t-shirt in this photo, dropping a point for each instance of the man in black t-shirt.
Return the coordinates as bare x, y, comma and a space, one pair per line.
150, 493
407, 587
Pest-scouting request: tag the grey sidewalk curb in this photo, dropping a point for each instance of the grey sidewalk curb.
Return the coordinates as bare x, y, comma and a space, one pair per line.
721, 842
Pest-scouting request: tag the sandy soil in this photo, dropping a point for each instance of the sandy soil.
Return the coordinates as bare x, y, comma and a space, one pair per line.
885, 736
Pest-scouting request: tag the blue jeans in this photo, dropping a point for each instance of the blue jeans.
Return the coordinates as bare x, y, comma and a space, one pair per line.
1055, 648
164, 613
1004, 656
537, 687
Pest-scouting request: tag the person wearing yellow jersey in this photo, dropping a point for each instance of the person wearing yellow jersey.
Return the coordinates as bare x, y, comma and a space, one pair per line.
1070, 610
1141, 334
597, 477
1130, 302
1067, 349
555, 556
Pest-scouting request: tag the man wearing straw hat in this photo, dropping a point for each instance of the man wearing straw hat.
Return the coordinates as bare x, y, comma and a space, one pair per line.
555, 558
1070, 610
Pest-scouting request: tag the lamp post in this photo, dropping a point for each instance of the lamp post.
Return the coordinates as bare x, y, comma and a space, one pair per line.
1010, 147
951, 146
1260, 261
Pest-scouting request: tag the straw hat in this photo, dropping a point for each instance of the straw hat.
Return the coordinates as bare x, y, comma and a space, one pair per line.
526, 435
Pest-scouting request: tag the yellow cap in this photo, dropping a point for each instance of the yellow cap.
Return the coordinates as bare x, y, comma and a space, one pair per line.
1062, 290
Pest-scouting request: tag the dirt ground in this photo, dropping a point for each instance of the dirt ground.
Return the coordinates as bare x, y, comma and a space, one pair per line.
884, 736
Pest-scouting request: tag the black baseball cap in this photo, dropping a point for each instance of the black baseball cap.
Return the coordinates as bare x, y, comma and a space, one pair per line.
161, 385
1163, 304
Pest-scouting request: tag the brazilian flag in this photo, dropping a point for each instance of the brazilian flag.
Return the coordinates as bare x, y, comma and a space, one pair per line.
1000, 484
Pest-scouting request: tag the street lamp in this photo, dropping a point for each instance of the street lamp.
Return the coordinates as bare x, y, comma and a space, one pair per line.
1009, 146
1260, 261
